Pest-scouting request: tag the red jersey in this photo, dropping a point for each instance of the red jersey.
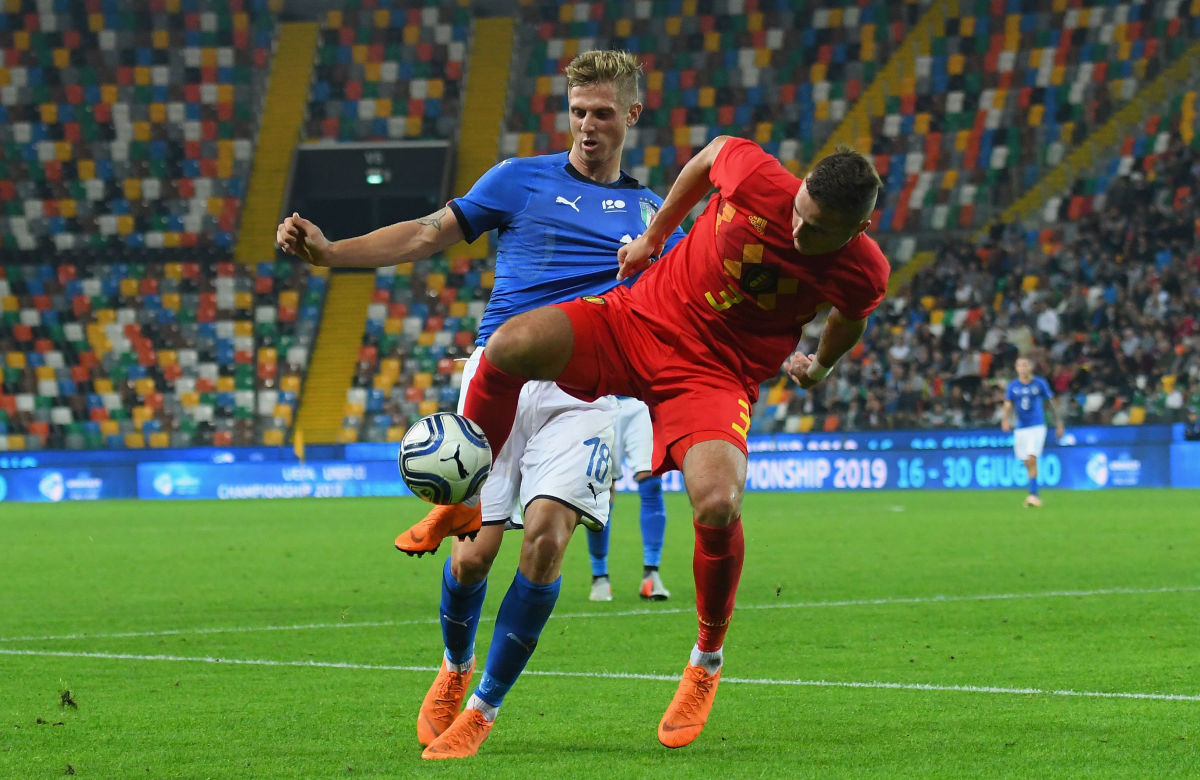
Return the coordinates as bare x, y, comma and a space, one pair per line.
736, 283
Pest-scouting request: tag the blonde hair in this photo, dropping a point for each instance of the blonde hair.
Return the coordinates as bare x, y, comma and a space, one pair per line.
619, 68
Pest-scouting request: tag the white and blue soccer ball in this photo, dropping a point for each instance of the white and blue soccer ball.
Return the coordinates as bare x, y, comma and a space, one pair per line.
445, 458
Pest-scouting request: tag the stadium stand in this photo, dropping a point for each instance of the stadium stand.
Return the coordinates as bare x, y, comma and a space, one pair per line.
128, 130
153, 354
1002, 93
388, 71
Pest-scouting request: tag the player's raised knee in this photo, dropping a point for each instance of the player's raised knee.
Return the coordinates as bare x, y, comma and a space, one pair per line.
536, 344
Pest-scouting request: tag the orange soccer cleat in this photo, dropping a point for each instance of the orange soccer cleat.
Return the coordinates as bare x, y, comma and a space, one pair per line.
463, 738
442, 703
454, 520
688, 711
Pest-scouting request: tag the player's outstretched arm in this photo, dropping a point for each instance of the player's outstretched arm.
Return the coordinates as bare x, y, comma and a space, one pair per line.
690, 186
838, 338
1005, 416
1056, 417
401, 242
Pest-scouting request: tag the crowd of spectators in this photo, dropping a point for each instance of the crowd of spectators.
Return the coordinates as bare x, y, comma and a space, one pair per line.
1107, 310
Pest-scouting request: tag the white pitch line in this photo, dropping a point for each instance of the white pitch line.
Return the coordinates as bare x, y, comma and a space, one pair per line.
617, 676
935, 599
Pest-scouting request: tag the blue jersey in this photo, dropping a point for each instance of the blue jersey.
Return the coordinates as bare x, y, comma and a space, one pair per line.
1028, 400
559, 231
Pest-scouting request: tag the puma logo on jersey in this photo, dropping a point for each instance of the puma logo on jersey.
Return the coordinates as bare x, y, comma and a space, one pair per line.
571, 203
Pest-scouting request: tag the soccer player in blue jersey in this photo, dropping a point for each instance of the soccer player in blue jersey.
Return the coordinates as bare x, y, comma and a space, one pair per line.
633, 441
1032, 398
560, 219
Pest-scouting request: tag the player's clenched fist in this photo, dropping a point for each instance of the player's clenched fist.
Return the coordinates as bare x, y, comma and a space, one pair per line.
796, 367
297, 236
636, 256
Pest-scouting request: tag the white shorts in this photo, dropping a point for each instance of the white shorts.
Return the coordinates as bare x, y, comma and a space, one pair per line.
560, 448
633, 441
1029, 441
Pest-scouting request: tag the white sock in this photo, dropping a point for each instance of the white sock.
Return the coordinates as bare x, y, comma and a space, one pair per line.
460, 668
485, 709
710, 661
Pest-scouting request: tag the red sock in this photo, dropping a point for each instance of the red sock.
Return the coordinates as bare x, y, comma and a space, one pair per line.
492, 402
717, 567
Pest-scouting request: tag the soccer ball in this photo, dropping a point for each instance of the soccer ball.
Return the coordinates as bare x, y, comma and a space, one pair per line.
444, 458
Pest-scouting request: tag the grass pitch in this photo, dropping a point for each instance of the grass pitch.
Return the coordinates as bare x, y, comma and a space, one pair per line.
885, 634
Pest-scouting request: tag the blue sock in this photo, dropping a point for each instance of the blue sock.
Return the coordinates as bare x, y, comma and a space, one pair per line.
461, 605
519, 623
1033, 486
654, 519
598, 549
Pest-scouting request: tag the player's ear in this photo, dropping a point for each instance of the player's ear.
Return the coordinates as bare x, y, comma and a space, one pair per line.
635, 111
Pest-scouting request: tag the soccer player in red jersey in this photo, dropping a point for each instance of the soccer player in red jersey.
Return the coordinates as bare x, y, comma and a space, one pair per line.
697, 335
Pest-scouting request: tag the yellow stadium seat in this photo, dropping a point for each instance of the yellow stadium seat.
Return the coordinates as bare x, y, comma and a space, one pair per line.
134, 441
423, 380
352, 409
273, 437
129, 287
426, 338
384, 382
16, 441
189, 400
427, 407
15, 359
347, 435
102, 385
226, 384
458, 309
144, 386
396, 433
806, 423
1137, 415
283, 412
390, 365
160, 439
290, 383
44, 373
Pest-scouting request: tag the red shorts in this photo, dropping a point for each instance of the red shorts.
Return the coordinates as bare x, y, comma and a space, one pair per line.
692, 397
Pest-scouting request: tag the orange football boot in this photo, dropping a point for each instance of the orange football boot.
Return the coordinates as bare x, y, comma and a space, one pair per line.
462, 739
442, 703
454, 520
688, 711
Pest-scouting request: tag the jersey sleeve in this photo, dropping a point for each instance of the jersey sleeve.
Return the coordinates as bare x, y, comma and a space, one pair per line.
865, 286
492, 201
738, 158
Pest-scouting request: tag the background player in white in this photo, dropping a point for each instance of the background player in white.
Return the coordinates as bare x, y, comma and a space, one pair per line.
561, 219
1032, 398
633, 441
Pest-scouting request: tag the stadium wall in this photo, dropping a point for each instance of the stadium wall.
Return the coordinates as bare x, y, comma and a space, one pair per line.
1087, 459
